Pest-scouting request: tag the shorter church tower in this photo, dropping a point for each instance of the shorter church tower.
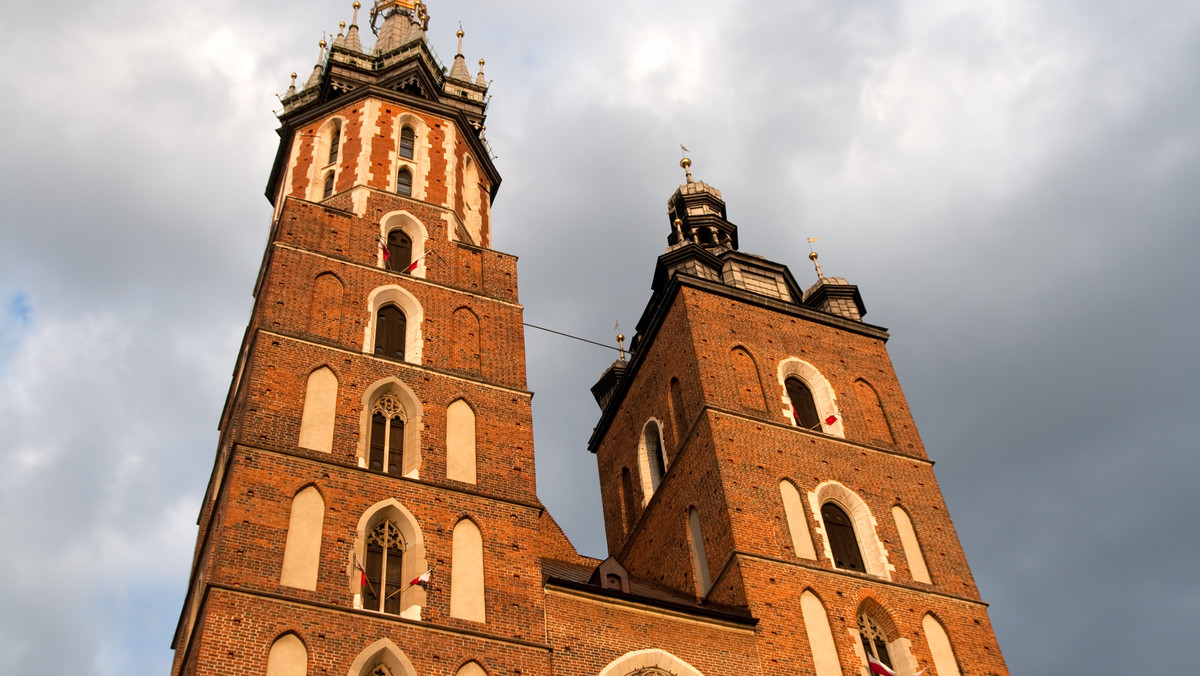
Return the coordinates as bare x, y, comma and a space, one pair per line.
757, 452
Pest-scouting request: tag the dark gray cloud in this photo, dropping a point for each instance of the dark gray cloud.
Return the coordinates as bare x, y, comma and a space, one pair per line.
1011, 184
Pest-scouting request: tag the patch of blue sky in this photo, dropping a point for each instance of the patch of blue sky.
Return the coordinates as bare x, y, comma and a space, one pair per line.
15, 323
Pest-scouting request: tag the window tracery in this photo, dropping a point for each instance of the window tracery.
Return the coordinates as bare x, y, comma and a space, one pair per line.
384, 570
387, 435
874, 641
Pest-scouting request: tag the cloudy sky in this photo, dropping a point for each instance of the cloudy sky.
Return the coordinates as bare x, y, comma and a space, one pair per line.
1013, 184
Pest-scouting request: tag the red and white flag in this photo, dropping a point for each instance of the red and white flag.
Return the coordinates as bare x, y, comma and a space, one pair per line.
831, 420
878, 667
363, 571
420, 579
413, 266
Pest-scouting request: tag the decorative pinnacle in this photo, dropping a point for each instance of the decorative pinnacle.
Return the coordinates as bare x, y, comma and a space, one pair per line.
460, 35
687, 168
321, 55
621, 345
354, 21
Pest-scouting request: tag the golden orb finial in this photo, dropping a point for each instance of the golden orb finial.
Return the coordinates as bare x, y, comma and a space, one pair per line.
812, 256
341, 24
481, 63
460, 33
621, 345
687, 169
356, 4
321, 44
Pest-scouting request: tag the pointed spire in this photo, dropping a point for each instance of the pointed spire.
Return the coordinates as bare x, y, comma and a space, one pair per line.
480, 79
291, 90
458, 71
315, 78
340, 40
352, 41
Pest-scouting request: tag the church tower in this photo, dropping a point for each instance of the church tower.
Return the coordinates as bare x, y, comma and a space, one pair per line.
374, 486
756, 452
373, 509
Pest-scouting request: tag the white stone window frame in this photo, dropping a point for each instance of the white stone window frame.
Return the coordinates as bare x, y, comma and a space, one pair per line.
382, 652
644, 473
904, 663
417, 233
419, 164
412, 599
413, 424
874, 554
414, 318
321, 165
823, 394
649, 661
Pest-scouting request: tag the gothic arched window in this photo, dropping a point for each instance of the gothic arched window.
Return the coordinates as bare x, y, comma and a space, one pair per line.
840, 531
654, 453
874, 641
335, 139
404, 182
407, 139
328, 190
399, 246
390, 329
387, 436
804, 409
385, 577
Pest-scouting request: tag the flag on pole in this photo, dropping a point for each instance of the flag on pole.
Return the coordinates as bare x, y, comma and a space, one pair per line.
361, 570
831, 420
413, 266
420, 579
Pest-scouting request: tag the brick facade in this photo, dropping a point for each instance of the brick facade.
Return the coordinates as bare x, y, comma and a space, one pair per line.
728, 439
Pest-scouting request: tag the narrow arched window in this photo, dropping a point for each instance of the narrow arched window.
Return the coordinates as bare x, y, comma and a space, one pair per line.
385, 577
390, 328
840, 531
407, 139
335, 140
874, 641
399, 246
654, 454
404, 182
387, 435
328, 186
804, 409
699, 558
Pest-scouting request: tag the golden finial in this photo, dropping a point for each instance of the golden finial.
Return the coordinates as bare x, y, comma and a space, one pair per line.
621, 345
687, 168
460, 35
341, 27
812, 256
354, 21
293, 79
481, 64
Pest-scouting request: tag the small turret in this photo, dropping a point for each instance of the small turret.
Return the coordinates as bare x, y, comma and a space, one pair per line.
458, 71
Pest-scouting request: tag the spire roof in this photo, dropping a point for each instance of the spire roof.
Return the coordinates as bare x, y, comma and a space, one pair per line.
458, 71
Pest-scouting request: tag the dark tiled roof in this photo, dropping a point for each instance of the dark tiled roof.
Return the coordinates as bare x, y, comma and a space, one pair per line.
639, 591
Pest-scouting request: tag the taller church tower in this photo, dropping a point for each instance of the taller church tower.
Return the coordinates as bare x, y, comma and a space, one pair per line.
373, 511
374, 480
